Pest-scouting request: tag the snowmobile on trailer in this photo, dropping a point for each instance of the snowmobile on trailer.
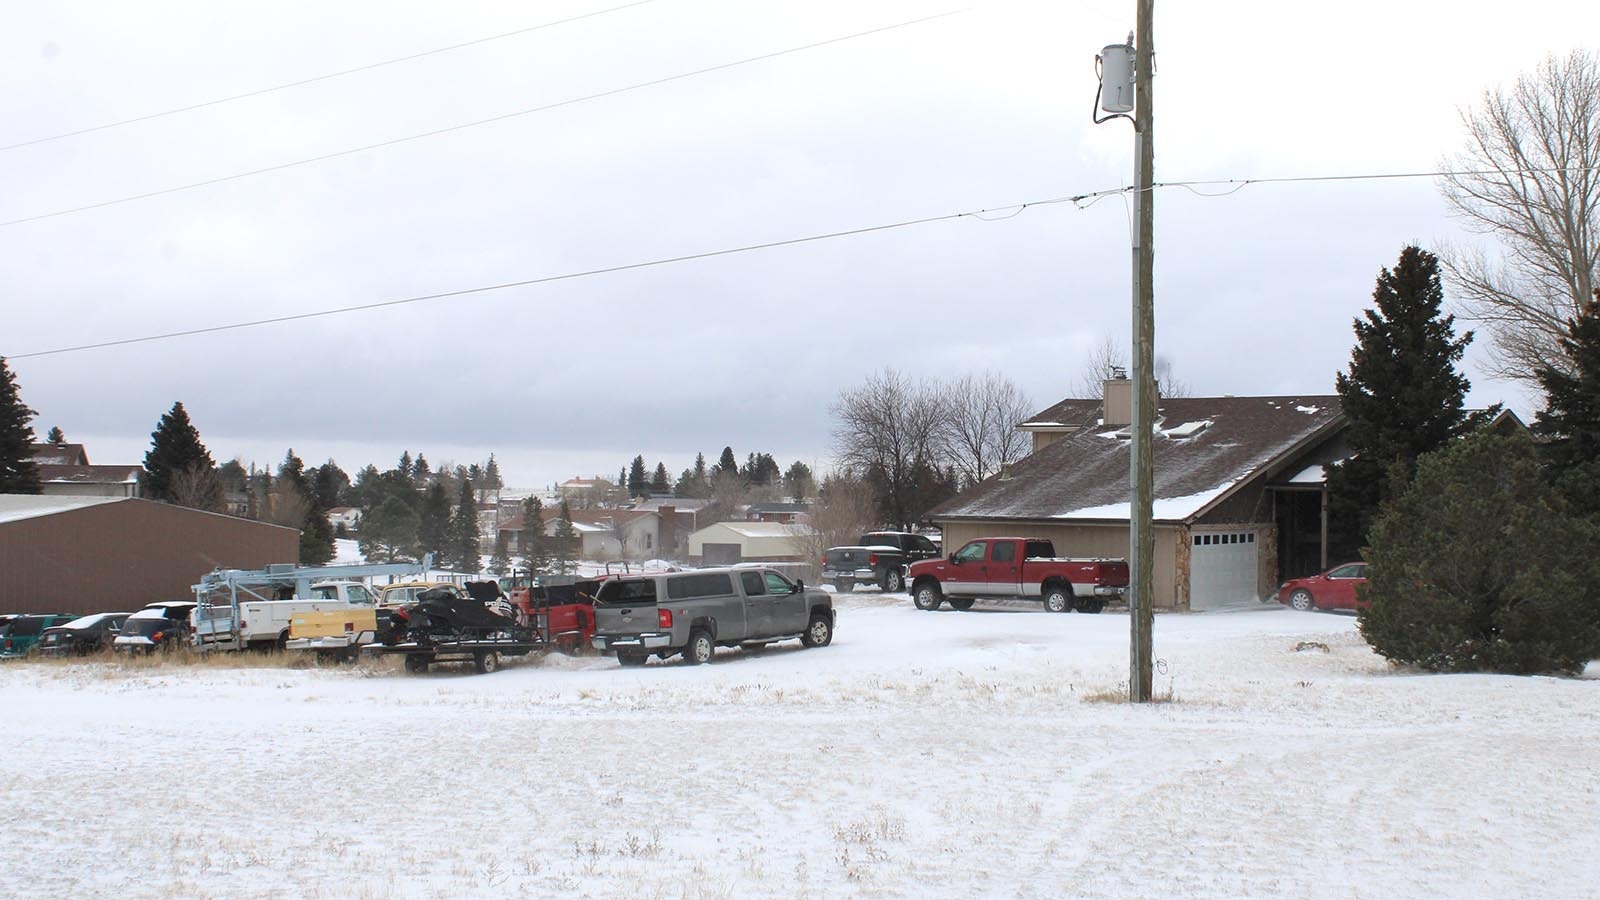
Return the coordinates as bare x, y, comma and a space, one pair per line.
445, 627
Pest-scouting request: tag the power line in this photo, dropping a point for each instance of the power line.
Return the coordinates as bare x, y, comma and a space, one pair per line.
465, 125
314, 79
547, 279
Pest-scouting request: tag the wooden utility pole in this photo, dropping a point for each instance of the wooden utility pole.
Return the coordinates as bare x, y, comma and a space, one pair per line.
1141, 544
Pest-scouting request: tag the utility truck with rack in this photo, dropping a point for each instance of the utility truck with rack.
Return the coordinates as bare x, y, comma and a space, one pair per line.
1004, 568
241, 609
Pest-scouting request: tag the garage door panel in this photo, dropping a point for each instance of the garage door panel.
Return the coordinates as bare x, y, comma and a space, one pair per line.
1222, 569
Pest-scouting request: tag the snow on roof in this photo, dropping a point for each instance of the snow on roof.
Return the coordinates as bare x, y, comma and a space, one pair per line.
766, 529
1310, 475
1165, 508
16, 507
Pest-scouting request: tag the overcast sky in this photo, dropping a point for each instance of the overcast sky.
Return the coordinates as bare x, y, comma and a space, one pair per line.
1255, 291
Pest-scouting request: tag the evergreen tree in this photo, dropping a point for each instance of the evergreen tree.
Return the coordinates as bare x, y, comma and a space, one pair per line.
421, 473
564, 544
760, 469
1570, 422
316, 532
658, 481
463, 549
433, 524
1402, 395
389, 532
405, 469
798, 482
535, 545
700, 473
1480, 565
19, 474
491, 476
175, 449
637, 484
726, 464
56, 435
500, 562
329, 484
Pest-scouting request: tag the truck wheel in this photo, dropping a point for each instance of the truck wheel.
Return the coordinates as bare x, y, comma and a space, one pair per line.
700, 649
631, 660
892, 582
1091, 606
486, 662
1057, 599
927, 596
819, 633
961, 603
844, 585
416, 663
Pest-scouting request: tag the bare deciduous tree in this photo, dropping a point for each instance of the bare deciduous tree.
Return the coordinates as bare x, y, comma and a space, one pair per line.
846, 508
197, 487
885, 430
1108, 360
1529, 177
978, 432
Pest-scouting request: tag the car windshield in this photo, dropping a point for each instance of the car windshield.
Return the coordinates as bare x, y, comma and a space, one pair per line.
87, 621
147, 622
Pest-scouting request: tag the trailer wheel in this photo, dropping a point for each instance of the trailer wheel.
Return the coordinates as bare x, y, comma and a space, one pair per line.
486, 662
416, 663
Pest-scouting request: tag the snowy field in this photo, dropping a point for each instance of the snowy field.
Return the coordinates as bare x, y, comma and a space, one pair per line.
923, 754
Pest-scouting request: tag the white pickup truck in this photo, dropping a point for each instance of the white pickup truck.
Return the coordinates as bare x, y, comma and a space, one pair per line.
263, 624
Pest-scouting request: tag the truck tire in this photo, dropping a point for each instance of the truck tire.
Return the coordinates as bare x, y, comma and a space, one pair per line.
700, 649
416, 663
631, 660
1057, 599
961, 603
892, 581
927, 596
486, 662
818, 633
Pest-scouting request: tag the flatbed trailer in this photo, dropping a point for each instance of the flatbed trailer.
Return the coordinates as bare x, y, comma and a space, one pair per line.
484, 653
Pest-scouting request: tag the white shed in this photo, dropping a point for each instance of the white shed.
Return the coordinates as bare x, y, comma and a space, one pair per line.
726, 543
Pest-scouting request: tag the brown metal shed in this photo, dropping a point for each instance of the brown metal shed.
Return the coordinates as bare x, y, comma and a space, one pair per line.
105, 554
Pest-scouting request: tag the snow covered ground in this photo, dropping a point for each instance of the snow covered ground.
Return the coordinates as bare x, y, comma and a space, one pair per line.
923, 754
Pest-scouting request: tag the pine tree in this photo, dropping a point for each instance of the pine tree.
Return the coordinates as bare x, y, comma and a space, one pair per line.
175, 448
421, 472
658, 482
500, 562
433, 523
726, 464
18, 472
798, 481
463, 549
56, 435
700, 467
1402, 395
564, 544
389, 532
491, 476
535, 545
1570, 422
637, 485
405, 468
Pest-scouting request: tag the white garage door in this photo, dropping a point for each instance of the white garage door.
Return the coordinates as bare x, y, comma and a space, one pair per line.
1222, 569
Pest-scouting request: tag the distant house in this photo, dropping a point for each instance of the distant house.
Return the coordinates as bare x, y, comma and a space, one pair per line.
1240, 490
64, 471
348, 516
679, 516
727, 543
784, 513
604, 534
583, 493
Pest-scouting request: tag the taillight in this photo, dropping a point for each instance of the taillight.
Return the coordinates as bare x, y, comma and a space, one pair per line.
872, 559
8, 643
158, 636
349, 627
664, 618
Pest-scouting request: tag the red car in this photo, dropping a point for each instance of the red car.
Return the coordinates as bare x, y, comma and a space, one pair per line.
1333, 589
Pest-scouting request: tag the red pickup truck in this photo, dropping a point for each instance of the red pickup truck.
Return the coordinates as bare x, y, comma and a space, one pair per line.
1017, 568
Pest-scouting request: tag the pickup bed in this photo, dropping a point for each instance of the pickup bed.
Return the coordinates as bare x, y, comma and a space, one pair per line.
878, 557
266, 623
1018, 568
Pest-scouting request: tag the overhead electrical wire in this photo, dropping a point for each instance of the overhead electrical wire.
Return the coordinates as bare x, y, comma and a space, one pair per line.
473, 124
324, 77
547, 279
988, 214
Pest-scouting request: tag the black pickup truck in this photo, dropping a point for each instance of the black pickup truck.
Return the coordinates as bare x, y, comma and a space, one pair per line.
879, 558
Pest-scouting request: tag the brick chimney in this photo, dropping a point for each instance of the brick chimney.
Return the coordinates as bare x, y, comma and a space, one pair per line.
668, 532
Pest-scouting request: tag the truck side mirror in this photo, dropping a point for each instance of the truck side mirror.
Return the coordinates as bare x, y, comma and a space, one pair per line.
954, 561
799, 586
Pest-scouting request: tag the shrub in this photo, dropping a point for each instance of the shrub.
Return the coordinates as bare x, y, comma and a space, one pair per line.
1480, 565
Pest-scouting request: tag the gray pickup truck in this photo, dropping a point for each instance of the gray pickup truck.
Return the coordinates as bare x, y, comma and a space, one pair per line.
693, 613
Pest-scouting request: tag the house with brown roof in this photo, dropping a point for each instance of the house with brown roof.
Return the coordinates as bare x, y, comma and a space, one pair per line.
64, 471
1240, 495
603, 534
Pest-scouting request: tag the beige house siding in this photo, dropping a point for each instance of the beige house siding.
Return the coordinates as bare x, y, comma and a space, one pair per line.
1090, 540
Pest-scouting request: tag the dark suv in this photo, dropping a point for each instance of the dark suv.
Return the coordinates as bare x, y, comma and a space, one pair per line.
880, 558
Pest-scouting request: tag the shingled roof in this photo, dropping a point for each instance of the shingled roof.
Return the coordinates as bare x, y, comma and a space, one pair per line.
1204, 448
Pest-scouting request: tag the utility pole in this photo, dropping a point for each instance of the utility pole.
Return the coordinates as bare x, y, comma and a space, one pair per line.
1125, 84
1141, 546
